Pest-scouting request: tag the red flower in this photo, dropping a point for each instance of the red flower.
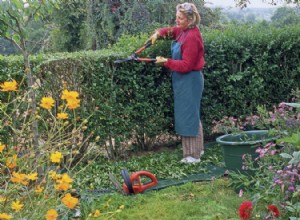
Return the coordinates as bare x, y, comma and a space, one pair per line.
274, 210
245, 210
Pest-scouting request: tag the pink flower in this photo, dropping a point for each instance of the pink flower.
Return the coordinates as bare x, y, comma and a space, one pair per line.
241, 193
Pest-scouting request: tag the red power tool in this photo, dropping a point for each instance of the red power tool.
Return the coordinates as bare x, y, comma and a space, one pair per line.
134, 183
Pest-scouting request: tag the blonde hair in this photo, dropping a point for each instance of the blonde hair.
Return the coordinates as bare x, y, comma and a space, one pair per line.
191, 12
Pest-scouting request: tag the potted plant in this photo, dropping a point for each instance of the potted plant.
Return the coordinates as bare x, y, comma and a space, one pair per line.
236, 145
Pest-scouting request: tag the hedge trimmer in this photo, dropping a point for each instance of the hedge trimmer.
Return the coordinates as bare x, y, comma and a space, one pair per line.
134, 55
133, 184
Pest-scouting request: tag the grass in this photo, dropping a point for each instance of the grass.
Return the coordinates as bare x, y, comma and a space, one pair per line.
193, 200
197, 200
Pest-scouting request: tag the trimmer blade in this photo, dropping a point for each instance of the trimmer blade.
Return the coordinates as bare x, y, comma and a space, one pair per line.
116, 183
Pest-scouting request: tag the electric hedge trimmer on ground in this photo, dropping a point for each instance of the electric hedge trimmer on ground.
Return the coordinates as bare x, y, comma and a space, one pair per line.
134, 183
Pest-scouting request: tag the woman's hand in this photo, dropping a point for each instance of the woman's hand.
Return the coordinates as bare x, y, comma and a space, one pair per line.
160, 60
153, 37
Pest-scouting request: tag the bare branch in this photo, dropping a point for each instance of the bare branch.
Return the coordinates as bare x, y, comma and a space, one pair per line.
19, 32
14, 43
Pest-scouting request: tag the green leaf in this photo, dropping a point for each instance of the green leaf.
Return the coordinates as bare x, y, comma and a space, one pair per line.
285, 155
296, 105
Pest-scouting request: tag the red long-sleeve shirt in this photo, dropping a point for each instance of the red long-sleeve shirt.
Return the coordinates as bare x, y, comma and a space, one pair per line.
192, 49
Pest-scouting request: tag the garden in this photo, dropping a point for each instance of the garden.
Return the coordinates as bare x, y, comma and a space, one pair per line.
73, 122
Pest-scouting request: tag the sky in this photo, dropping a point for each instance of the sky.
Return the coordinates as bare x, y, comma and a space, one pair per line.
231, 3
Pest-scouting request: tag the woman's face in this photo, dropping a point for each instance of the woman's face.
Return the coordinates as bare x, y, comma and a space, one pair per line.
182, 21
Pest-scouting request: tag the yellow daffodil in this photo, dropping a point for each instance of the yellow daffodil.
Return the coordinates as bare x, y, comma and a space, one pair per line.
70, 201
9, 86
47, 102
2, 146
32, 176
19, 178
17, 206
51, 214
56, 157
4, 216
39, 189
62, 115
11, 162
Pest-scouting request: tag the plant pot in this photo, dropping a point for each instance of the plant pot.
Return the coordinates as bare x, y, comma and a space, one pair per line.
234, 146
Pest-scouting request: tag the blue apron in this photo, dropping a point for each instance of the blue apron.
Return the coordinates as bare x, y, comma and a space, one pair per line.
187, 89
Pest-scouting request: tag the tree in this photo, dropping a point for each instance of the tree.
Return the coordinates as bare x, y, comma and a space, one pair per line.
69, 19
15, 16
244, 3
286, 16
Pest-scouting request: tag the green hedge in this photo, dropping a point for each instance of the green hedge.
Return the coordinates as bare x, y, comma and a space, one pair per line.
246, 67
250, 66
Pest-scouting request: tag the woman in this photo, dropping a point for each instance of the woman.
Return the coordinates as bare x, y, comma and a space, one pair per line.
187, 78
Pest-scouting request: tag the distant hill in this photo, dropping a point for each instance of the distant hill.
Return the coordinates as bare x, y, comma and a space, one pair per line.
249, 14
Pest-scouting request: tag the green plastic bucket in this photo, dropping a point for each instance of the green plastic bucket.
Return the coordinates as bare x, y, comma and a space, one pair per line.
234, 146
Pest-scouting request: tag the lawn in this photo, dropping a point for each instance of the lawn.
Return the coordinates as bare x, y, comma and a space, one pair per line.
213, 199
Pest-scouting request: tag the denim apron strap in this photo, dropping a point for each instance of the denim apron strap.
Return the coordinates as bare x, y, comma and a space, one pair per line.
187, 89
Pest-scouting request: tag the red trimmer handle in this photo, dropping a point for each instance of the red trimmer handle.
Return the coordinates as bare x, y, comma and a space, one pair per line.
146, 60
146, 45
137, 186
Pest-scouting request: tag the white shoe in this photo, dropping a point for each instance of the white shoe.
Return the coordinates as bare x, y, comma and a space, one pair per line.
190, 159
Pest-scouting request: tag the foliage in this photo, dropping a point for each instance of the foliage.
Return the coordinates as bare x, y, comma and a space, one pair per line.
37, 184
275, 172
69, 20
91, 25
244, 3
243, 64
164, 165
128, 96
286, 16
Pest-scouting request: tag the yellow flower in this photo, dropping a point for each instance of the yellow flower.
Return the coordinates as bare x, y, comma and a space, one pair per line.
96, 213
4, 216
2, 146
9, 86
51, 214
69, 95
56, 157
62, 115
19, 178
72, 99
39, 189
73, 103
70, 201
2, 199
11, 162
47, 102
54, 175
32, 176
17, 206
64, 183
